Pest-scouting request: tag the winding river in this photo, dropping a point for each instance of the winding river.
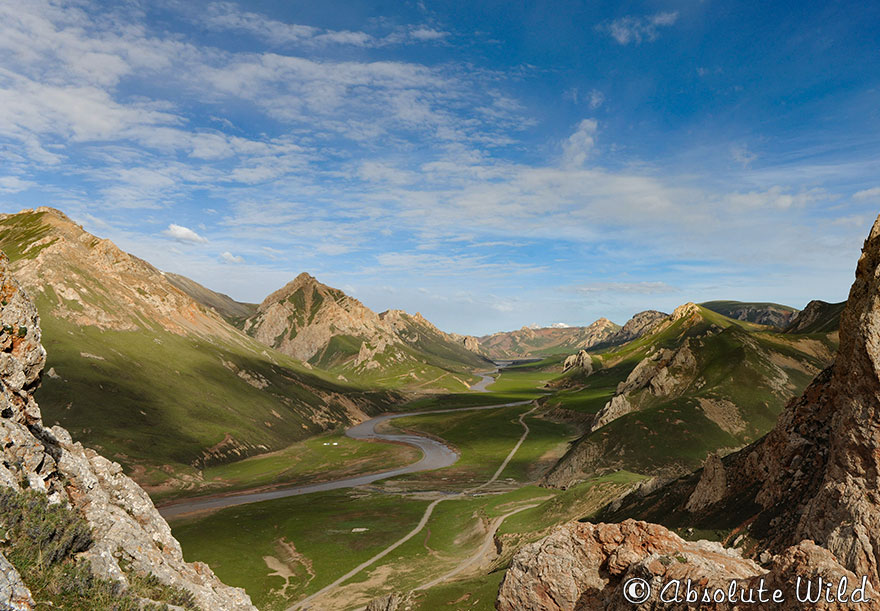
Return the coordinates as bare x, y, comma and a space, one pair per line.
435, 455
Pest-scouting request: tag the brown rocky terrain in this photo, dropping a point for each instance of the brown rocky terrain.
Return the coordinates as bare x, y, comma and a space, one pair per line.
803, 500
302, 317
128, 533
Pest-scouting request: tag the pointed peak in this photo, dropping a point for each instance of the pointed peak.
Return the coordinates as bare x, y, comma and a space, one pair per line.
685, 310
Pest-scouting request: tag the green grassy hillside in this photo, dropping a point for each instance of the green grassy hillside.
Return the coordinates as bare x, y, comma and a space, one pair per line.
150, 378
704, 383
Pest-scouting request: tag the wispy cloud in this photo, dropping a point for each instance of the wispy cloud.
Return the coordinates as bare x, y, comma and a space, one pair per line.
227, 16
867, 194
640, 288
635, 30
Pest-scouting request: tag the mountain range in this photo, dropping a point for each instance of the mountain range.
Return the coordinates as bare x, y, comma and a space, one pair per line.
169, 378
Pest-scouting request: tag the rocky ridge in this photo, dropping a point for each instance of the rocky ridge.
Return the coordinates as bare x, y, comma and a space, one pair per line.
125, 525
637, 326
817, 317
806, 493
768, 314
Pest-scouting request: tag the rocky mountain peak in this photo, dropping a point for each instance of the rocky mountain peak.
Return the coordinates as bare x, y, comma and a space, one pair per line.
684, 311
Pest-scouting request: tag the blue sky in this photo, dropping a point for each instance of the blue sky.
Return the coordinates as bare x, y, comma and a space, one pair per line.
490, 164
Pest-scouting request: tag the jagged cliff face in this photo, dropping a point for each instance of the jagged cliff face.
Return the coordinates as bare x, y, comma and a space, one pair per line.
528, 342
805, 495
126, 527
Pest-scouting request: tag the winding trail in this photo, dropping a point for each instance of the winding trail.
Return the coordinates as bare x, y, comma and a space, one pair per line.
303, 604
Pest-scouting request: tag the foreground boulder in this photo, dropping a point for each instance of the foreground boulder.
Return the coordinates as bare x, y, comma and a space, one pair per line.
807, 496
127, 530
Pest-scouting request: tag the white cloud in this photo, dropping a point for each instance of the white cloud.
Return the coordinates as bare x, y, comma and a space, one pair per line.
597, 98
183, 234
577, 149
631, 29
14, 184
867, 194
228, 257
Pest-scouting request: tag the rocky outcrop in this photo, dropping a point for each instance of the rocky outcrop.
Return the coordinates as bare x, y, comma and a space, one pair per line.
637, 326
390, 602
127, 530
660, 374
14, 594
711, 487
585, 566
582, 361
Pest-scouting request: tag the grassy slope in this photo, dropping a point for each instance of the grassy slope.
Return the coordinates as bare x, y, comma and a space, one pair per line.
154, 400
738, 364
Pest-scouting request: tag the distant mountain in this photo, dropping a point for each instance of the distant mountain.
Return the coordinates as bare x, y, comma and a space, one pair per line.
530, 342
139, 370
635, 327
329, 330
230, 309
817, 317
770, 314
704, 380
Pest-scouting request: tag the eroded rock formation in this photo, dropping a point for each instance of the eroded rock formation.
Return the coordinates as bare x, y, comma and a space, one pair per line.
125, 525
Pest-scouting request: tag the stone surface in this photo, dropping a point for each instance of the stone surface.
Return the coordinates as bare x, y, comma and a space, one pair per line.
14, 595
391, 602
582, 566
125, 524
585, 566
